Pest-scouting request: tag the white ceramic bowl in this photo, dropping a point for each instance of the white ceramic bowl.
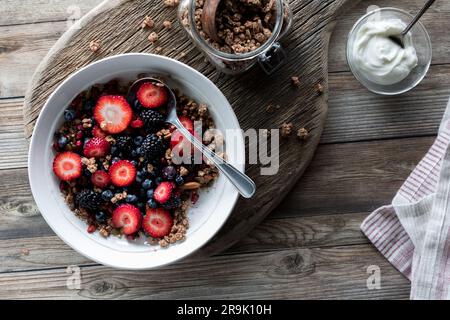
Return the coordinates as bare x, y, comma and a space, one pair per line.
206, 217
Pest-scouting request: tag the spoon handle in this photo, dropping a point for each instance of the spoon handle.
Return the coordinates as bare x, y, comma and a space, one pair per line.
241, 181
418, 16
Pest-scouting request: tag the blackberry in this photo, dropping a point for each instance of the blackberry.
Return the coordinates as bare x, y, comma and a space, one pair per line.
153, 119
152, 147
124, 143
169, 172
173, 203
88, 199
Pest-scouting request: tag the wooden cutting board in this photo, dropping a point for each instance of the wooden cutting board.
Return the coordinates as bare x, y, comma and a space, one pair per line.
116, 24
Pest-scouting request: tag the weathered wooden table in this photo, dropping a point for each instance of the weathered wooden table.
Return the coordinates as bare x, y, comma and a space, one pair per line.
309, 247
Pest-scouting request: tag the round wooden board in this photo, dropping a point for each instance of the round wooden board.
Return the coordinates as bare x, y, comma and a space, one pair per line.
116, 24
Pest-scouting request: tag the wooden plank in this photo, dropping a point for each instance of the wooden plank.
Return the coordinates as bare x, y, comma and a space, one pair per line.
376, 169
273, 234
37, 11
316, 273
355, 114
354, 177
13, 145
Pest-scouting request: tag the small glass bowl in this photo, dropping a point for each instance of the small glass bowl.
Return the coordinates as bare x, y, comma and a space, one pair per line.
421, 42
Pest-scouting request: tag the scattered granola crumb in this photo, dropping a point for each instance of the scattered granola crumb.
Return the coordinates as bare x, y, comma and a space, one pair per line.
295, 81
183, 54
153, 37
171, 3
159, 49
167, 24
302, 134
272, 108
25, 252
319, 88
147, 23
94, 45
286, 129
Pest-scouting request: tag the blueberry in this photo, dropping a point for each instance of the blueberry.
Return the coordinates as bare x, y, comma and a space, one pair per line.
138, 140
100, 216
62, 142
141, 206
115, 159
131, 198
134, 162
138, 151
107, 195
133, 154
179, 180
158, 180
142, 193
69, 114
138, 179
152, 203
114, 150
89, 105
147, 184
150, 193
169, 172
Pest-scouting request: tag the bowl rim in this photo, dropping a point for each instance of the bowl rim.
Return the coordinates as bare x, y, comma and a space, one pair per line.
34, 147
363, 81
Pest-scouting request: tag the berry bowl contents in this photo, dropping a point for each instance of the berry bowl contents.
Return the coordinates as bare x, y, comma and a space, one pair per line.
114, 162
103, 169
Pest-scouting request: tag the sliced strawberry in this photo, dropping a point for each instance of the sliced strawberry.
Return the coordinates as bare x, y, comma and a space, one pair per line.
177, 136
187, 123
100, 179
98, 133
127, 217
163, 192
157, 222
151, 95
137, 123
67, 166
96, 148
113, 113
122, 173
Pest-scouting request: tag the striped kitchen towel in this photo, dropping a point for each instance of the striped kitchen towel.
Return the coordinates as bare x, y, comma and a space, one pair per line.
413, 232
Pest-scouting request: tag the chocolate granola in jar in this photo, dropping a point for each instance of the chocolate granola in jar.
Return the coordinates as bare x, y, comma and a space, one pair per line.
247, 33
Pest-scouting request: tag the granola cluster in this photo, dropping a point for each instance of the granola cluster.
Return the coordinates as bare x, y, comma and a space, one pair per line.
242, 25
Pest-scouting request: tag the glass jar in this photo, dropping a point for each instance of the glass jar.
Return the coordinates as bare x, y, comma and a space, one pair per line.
270, 55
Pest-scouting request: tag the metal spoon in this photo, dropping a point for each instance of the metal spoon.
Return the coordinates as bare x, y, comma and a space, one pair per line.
241, 181
399, 39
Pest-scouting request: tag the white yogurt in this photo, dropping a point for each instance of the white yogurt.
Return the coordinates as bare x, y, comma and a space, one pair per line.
380, 59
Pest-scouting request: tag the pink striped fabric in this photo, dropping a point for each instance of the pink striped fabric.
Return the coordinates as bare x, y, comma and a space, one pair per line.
383, 228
